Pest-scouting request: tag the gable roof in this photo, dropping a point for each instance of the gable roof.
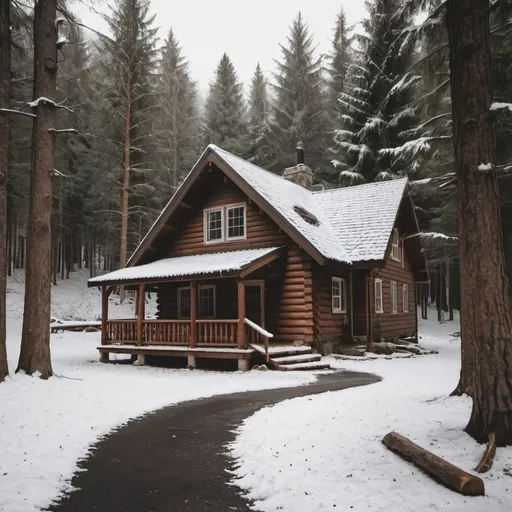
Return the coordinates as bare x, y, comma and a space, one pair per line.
354, 223
363, 216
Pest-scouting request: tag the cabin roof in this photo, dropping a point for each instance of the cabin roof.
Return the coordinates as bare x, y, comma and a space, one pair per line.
363, 216
207, 265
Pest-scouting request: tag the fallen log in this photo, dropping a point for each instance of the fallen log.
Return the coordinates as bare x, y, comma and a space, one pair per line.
447, 474
488, 457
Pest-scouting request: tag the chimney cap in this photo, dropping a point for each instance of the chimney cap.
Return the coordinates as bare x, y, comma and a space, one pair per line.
300, 153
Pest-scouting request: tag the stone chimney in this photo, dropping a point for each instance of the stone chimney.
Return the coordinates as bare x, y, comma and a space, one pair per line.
300, 174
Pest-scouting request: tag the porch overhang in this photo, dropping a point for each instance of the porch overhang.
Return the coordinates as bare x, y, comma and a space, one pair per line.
200, 266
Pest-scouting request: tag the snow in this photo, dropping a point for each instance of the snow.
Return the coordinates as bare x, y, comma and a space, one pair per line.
209, 263
257, 328
42, 99
48, 426
501, 106
325, 452
179, 348
486, 167
363, 216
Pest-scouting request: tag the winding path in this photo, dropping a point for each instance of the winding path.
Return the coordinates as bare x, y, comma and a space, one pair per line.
175, 460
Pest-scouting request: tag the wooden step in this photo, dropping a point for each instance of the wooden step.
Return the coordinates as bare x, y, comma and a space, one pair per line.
302, 367
282, 350
300, 358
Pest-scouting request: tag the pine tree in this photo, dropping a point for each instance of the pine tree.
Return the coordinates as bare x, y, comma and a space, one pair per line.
177, 117
128, 62
375, 111
258, 119
299, 109
5, 99
225, 117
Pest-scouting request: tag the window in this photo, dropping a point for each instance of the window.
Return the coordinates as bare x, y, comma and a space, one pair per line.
214, 226
378, 296
393, 297
236, 222
184, 302
405, 298
395, 243
224, 224
206, 299
339, 295
307, 215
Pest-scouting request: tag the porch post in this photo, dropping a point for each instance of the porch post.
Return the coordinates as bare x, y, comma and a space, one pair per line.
140, 312
193, 314
241, 313
371, 306
104, 357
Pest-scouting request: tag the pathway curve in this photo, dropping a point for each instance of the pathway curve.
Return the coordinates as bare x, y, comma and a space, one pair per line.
174, 460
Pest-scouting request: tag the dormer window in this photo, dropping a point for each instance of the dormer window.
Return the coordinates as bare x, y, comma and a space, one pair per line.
395, 245
225, 224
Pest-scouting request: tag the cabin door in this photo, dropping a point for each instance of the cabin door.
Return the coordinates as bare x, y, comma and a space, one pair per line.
255, 302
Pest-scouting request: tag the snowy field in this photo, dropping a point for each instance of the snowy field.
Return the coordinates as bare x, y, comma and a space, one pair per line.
47, 426
325, 453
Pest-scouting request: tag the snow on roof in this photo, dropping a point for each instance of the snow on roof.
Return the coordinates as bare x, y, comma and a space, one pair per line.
187, 265
285, 196
363, 216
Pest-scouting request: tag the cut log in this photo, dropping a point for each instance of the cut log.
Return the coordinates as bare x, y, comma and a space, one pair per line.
488, 457
447, 474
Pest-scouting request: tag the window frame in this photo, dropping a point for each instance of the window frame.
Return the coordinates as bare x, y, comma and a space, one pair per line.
179, 315
199, 289
342, 296
395, 245
405, 298
224, 220
380, 310
393, 294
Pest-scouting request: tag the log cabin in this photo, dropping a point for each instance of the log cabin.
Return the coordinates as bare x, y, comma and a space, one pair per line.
247, 264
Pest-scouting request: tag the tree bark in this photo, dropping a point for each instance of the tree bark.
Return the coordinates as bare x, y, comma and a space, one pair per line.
486, 311
5, 96
35, 338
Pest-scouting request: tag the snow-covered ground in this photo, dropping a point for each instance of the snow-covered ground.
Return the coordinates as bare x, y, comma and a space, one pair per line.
47, 426
325, 453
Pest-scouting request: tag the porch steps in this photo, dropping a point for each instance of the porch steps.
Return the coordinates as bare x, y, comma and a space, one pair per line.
291, 358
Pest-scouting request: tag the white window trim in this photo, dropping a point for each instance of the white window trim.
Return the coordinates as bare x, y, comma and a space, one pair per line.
224, 223
405, 298
343, 295
203, 287
393, 306
381, 309
180, 289
395, 245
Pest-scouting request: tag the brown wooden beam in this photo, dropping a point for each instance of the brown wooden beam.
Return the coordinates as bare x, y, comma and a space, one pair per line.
265, 260
241, 313
104, 313
193, 313
140, 312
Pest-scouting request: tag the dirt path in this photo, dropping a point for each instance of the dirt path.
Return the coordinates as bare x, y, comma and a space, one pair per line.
175, 460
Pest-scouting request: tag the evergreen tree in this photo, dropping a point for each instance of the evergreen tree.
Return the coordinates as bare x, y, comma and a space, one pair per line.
375, 111
299, 110
225, 117
258, 119
176, 123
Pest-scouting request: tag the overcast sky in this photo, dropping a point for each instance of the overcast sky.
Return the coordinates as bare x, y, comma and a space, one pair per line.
248, 31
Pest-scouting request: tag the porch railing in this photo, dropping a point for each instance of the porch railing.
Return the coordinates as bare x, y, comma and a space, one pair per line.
217, 332
122, 331
165, 332
255, 331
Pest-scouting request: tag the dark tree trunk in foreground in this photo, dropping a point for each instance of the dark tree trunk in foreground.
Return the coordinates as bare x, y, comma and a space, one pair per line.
486, 312
35, 339
5, 94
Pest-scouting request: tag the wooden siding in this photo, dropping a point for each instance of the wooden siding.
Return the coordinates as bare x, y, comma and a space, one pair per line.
328, 326
219, 191
359, 301
399, 323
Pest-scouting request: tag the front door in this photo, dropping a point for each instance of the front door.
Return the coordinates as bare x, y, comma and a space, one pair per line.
254, 302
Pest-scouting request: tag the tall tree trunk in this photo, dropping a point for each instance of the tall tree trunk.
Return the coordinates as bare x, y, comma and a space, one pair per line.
5, 96
126, 181
35, 338
486, 310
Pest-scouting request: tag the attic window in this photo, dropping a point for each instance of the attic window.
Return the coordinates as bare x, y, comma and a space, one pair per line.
307, 216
